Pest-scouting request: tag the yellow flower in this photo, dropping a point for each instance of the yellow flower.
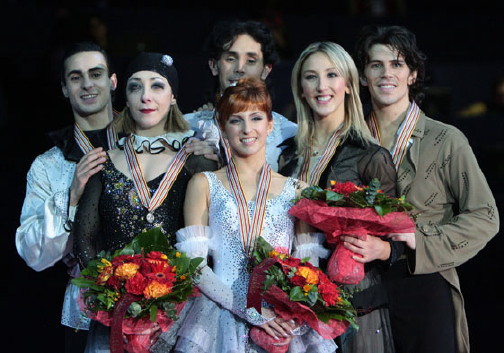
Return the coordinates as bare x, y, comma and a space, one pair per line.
127, 270
332, 182
164, 257
156, 290
307, 288
310, 275
274, 253
177, 254
105, 262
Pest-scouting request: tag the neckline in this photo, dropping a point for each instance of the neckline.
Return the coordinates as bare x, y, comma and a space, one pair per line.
160, 176
228, 192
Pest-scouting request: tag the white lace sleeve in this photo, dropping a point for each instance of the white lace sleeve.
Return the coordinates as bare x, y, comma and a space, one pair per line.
310, 245
41, 238
194, 241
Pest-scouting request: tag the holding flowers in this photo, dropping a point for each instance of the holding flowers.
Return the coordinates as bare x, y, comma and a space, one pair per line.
138, 291
334, 143
226, 213
142, 183
298, 291
348, 209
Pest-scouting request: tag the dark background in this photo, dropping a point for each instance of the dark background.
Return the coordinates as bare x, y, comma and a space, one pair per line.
463, 43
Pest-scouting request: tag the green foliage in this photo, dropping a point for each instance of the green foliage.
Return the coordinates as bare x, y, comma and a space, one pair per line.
367, 196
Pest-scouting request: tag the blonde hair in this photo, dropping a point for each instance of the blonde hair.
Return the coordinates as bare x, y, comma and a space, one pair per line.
174, 123
354, 123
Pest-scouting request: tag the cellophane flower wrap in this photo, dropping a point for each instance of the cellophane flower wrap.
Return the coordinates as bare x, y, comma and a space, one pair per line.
297, 291
138, 291
346, 208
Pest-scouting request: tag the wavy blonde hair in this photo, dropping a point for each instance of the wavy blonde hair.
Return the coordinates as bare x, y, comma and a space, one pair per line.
354, 123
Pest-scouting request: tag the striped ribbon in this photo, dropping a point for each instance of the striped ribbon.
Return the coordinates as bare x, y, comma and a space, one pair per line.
314, 176
403, 134
83, 141
142, 189
250, 231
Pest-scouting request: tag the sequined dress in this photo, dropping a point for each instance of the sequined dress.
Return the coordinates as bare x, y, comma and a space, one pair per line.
110, 215
209, 326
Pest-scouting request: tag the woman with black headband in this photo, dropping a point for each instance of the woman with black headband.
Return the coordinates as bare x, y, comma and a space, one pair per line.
142, 184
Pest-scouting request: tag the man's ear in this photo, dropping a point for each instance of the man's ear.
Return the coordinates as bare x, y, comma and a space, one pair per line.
64, 89
266, 71
113, 81
212, 64
412, 77
363, 81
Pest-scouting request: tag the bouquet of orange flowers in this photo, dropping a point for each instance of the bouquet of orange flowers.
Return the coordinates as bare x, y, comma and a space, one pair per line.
298, 291
138, 290
346, 208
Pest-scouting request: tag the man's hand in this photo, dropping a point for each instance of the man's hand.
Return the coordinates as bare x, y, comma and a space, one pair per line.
207, 106
408, 238
90, 164
202, 147
367, 248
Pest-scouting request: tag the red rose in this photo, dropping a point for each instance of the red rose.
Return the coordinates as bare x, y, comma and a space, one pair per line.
328, 291
126, 258
344, 188
114, 282
136, 284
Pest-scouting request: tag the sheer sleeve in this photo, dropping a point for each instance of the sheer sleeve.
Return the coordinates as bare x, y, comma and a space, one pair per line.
196, 241
379, 165
197, 164
310, 245
87, 230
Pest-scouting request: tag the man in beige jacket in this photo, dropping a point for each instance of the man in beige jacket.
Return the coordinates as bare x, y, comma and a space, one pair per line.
439, 174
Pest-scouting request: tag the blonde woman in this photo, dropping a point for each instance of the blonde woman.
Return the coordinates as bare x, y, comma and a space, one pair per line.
334, 143
143, 182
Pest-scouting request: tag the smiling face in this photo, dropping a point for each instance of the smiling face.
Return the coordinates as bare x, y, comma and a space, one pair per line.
87, 84
388, 77
244, 58
248, 131
323, 87
149, 98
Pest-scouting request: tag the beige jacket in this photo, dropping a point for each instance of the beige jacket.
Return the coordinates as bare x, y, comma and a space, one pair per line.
441, 177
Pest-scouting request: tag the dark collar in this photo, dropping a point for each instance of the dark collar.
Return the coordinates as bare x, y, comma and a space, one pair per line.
64, 139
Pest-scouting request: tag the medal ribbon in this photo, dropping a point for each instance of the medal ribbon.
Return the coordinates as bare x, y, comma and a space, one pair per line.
250, 231
83, 141
404, 133
321, 165
142, 189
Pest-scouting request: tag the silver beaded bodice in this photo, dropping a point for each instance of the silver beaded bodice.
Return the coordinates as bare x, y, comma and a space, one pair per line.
229, 258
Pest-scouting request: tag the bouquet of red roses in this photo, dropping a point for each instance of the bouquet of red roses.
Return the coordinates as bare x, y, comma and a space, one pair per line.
298, 291
346, 208
138, 291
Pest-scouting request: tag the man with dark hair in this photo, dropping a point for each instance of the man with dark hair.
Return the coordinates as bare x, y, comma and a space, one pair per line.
438, 173
57, 178
238, 49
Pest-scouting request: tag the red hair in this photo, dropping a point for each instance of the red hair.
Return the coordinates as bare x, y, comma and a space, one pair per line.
247, 94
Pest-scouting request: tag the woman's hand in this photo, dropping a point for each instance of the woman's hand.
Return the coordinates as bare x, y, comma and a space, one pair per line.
278, 327
367, 248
